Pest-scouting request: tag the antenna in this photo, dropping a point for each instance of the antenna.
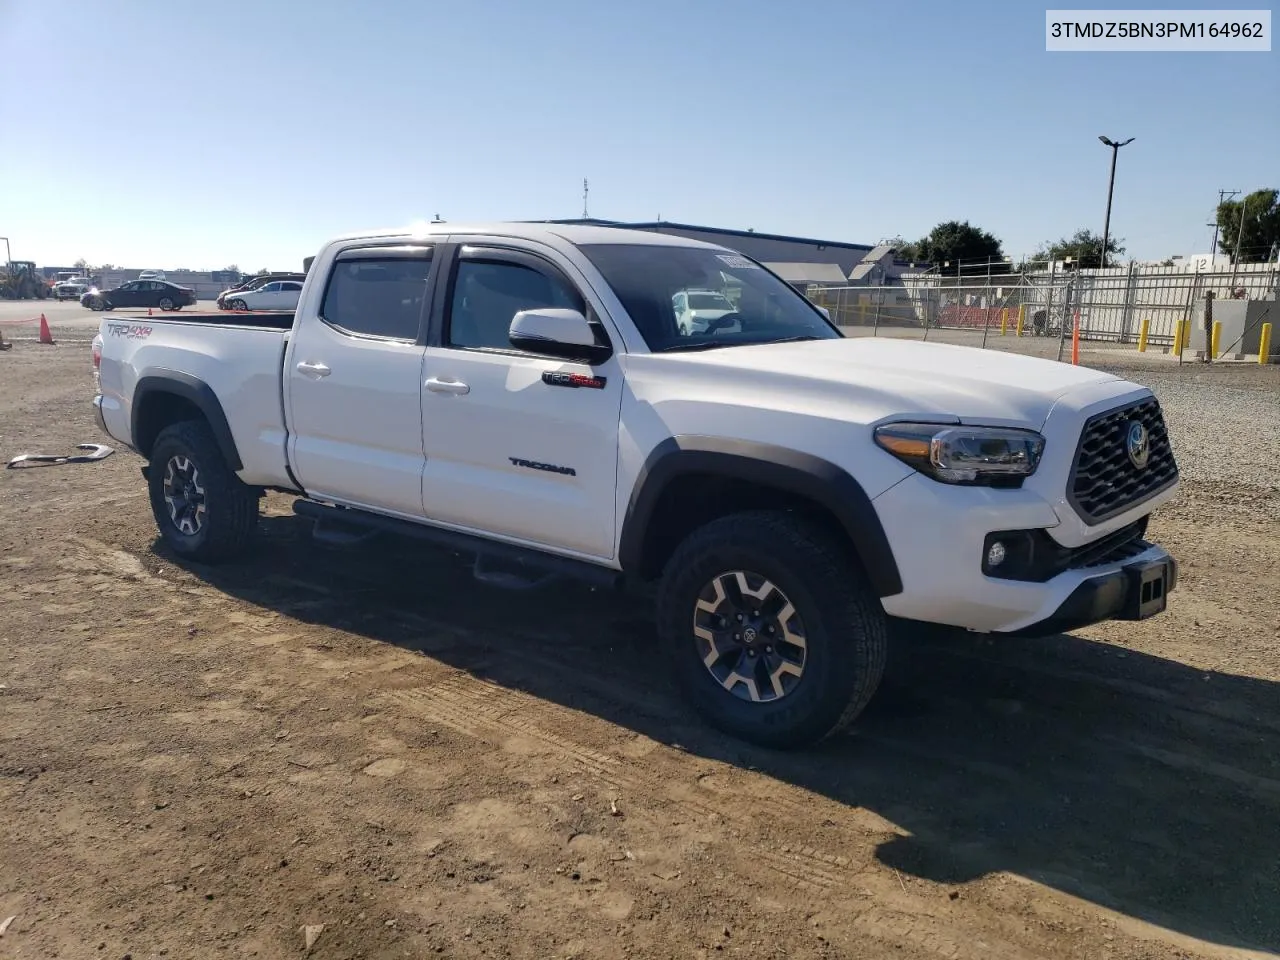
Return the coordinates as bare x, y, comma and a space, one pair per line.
585, 190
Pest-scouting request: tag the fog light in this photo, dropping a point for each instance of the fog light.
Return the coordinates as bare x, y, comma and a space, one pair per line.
995, 554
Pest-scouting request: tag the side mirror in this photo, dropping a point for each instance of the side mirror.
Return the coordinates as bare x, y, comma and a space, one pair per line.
556, 332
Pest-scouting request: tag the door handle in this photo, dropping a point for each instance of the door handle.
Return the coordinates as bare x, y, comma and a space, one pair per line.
313, 370
447, 386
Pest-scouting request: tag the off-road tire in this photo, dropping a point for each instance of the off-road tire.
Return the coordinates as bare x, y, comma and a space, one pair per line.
231, 506
845, 625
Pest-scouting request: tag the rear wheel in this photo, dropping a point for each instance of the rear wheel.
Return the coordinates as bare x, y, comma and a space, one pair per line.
203, 510
776, 636
166, 303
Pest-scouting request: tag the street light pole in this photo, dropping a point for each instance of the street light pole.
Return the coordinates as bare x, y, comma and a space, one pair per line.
1111, 184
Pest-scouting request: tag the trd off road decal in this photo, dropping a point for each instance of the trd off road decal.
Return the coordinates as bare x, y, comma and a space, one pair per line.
130, 331
573, 380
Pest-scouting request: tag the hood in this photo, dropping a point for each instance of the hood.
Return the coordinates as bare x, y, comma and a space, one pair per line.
880, 377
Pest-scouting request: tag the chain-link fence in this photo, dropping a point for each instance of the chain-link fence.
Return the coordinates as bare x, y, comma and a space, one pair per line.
1114, 306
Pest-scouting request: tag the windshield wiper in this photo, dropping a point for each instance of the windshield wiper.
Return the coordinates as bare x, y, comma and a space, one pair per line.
704, 345
713, 344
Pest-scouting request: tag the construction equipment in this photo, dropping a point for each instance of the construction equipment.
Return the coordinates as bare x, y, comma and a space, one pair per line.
21, 281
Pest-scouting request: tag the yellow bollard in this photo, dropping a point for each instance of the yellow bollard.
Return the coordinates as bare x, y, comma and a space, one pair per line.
1004, 321
1215, 339
1264, 344
1179, 338
1022, 315
1143, 329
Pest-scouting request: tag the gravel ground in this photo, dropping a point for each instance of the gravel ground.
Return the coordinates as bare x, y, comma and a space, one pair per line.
1224, 420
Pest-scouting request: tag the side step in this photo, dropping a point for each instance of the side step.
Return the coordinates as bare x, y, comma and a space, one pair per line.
330, 522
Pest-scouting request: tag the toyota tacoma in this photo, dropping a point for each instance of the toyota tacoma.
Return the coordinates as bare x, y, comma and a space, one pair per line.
528, 393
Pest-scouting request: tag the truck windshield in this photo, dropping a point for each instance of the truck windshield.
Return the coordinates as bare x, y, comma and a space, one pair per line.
654, 283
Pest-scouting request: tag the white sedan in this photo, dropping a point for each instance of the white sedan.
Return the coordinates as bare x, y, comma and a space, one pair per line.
276, 295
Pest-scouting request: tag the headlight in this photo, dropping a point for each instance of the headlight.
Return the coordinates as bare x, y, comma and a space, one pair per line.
987, 456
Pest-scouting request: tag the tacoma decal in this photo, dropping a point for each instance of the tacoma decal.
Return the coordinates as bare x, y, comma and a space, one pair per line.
548, 467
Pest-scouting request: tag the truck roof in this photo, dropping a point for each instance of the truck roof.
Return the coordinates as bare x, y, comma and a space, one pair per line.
577, 234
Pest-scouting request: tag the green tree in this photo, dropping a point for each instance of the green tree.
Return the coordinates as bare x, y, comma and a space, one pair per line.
1261, 211
82, 265
231, 268
964, 247
1084, 247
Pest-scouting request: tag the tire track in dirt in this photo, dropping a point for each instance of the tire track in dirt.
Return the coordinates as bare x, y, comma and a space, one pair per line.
664, 777
491, 713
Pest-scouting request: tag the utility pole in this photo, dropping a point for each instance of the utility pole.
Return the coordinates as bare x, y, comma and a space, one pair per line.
585, 188
1235, 260
1106, 226
1222, 197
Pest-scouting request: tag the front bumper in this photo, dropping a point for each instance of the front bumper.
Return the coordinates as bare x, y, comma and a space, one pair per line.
938, 533
1138, 589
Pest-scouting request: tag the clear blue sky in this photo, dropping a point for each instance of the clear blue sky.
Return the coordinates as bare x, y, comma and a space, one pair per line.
172, 133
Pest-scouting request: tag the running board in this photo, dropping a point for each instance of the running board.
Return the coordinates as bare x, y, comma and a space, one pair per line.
550, 566
339, 534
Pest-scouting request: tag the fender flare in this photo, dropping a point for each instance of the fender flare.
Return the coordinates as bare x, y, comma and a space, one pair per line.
797, 473
198, 393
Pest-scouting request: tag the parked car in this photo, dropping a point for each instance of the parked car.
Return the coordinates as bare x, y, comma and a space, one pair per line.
160, 294
152, 275
254, 283
72, 288
696, 309
524, 393
273, 295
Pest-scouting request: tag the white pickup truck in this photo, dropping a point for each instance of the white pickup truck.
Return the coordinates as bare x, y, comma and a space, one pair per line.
526, 392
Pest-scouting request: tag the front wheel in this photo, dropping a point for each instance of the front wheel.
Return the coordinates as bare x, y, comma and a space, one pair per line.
238, 305
776, 636
203, 510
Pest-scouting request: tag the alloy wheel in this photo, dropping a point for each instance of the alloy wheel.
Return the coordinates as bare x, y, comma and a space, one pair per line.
749, 636
184, 495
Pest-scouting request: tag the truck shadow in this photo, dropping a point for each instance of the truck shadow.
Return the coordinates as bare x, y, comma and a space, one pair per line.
1134, 782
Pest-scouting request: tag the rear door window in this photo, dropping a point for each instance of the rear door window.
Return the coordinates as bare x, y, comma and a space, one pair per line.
378, 297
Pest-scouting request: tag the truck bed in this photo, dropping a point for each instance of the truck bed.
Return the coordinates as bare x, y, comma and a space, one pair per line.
233, 360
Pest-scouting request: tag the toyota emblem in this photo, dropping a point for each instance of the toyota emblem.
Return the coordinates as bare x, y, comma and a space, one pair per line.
1138, 444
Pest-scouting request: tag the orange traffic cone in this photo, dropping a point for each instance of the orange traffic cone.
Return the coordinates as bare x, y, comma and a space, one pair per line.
149, 311
45, 335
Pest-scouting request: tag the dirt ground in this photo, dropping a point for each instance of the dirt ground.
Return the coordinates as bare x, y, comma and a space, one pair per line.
201, 763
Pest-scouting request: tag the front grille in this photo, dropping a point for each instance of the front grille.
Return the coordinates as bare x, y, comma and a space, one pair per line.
1105, 481
1123, 544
